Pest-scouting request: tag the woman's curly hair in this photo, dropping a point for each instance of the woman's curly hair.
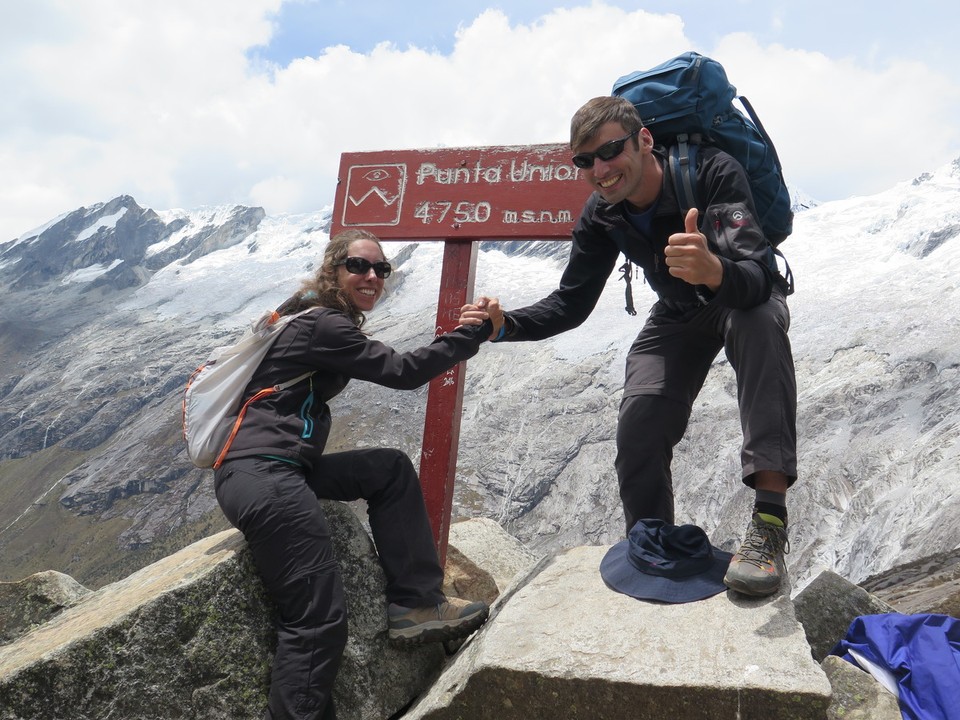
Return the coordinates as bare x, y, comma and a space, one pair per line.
323, 289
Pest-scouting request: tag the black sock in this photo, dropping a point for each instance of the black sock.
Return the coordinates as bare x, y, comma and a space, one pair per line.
771, 503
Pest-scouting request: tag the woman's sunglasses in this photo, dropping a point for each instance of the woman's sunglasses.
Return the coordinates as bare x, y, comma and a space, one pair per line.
361, 266
607, 151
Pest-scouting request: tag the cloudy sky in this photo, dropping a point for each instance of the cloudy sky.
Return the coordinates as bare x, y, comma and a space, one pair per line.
184, 104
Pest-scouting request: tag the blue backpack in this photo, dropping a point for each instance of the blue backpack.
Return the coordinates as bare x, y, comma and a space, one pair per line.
688, 100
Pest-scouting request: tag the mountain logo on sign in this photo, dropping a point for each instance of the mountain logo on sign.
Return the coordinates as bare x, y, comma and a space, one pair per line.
375, 194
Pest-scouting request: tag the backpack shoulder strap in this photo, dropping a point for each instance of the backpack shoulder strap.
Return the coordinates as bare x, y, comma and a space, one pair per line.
682, 166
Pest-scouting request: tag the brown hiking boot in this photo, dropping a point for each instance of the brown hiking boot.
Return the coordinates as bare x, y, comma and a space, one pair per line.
450, 620
758, 567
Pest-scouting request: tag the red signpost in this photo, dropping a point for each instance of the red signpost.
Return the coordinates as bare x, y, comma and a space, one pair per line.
460, 196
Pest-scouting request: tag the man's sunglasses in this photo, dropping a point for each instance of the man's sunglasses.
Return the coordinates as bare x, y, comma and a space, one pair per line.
607, 151
361, 266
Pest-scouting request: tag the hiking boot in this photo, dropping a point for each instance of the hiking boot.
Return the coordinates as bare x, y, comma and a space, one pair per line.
450, 620
758, 567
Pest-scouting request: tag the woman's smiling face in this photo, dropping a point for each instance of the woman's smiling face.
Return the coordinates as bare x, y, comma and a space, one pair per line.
364, 290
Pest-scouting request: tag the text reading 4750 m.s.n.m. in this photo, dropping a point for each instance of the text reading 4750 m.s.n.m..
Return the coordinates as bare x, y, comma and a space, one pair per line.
439, 211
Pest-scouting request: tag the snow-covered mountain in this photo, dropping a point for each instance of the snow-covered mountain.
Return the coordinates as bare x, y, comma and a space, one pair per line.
108, 309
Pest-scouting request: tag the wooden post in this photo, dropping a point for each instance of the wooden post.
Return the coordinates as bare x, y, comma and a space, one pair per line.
441, 428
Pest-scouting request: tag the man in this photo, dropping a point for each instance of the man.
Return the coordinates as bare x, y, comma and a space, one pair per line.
718, 287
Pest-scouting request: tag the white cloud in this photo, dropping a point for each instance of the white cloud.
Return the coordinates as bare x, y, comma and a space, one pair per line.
279, 193
840, 128
160, 101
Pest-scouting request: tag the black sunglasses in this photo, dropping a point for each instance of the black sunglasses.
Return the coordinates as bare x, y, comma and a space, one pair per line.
361, 266
607, 151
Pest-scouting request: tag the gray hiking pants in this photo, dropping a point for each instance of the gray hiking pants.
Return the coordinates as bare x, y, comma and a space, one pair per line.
666, 368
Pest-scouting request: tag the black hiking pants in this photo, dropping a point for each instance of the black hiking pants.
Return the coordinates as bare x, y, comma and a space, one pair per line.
666, 368
274, 504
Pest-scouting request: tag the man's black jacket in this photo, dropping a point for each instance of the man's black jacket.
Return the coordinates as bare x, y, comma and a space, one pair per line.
727, 219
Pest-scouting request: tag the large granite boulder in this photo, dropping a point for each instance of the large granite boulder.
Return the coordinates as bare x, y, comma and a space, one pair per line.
35, 600
483, 560
828, 605
561, 644
192, 636
856, 694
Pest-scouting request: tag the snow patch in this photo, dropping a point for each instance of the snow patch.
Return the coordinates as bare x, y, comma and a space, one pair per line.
90, 273
108, 222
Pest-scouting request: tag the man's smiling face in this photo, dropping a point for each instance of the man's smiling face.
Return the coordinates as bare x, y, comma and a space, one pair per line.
629, 175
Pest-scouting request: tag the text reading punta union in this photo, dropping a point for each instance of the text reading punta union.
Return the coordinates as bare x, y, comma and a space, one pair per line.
513, 171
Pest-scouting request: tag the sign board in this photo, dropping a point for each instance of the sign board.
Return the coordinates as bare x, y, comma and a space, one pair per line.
523, 192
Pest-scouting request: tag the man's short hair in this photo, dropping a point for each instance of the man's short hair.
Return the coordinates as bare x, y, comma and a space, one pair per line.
596, 113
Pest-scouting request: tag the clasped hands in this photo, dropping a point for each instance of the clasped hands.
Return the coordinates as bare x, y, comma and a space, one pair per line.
482, 309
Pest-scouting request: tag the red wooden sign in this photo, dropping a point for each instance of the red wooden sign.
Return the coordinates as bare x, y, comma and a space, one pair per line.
529, 192
458, 195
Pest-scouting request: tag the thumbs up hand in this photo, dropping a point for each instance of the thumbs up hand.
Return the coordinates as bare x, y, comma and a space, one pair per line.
689, 258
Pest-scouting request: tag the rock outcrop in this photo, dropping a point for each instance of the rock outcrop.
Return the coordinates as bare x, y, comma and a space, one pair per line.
856, 695
192, 636
564, 645
492, 554
931, 584
828, 605
34, 601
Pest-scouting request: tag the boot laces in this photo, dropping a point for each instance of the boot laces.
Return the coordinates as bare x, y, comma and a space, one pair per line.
763, 543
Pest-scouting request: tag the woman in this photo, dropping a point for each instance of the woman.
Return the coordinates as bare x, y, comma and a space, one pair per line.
269, 484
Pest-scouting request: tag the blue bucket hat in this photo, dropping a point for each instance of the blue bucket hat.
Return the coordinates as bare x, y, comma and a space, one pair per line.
667, 563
